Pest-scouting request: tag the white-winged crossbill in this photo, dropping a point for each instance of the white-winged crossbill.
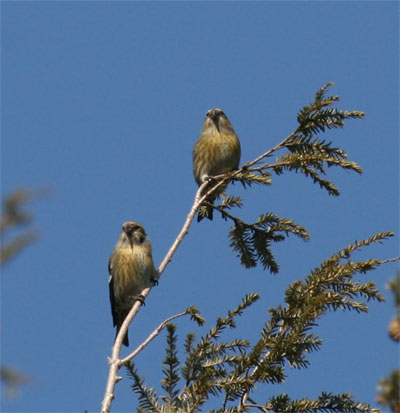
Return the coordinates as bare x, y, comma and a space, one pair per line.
131, 270
216, 152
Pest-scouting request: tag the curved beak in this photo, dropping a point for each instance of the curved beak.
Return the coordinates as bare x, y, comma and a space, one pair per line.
130, 238
216, 123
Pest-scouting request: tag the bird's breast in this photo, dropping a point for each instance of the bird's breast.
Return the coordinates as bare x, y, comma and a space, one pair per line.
133, 268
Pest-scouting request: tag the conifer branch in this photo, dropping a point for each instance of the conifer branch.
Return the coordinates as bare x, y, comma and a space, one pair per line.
327, 402
148, 400
170, 369
328, 287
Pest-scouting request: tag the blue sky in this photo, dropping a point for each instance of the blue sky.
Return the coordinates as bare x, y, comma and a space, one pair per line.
103, 101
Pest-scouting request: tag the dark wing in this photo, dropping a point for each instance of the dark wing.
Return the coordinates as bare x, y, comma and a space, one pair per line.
112, 297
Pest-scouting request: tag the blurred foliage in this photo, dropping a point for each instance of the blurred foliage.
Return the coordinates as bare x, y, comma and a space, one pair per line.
13, 219
389, 391
389, 387
12, 379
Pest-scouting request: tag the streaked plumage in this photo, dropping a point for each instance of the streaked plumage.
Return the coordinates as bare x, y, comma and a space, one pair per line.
217, 151
131, 270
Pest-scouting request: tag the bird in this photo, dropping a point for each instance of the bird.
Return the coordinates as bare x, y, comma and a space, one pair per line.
216, 152
131, 270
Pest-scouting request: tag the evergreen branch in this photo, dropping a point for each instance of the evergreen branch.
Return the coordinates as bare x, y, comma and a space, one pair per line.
248, 179
316, 117
229, 202
225, 410
235, 345
319, 120
190, 339
221, 324
313, 145
170, 369
312, 119
327, 402
345, 253
285, 337
204, 366
312, 165
309, 158
330, 187
193, 311
219, 362
320, 94
297, 161
148, 400
252, 242
331, 285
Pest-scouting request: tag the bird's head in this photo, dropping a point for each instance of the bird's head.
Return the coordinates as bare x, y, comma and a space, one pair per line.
134, 233
216, 119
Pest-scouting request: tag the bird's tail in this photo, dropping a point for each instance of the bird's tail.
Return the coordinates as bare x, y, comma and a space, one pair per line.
125, 342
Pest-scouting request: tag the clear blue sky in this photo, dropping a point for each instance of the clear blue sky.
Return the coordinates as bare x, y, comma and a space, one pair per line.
103, 101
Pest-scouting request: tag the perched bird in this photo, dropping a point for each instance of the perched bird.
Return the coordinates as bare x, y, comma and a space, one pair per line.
216, 152
131, 270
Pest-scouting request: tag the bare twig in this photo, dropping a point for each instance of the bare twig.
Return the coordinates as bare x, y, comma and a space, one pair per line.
151, 337
198, 199
114, 361
259, 407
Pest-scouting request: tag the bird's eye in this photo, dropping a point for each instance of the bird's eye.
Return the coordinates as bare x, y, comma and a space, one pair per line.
130, 229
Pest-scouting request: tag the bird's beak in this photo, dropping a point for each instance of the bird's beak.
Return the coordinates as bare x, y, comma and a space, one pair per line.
130, 238
216, 123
